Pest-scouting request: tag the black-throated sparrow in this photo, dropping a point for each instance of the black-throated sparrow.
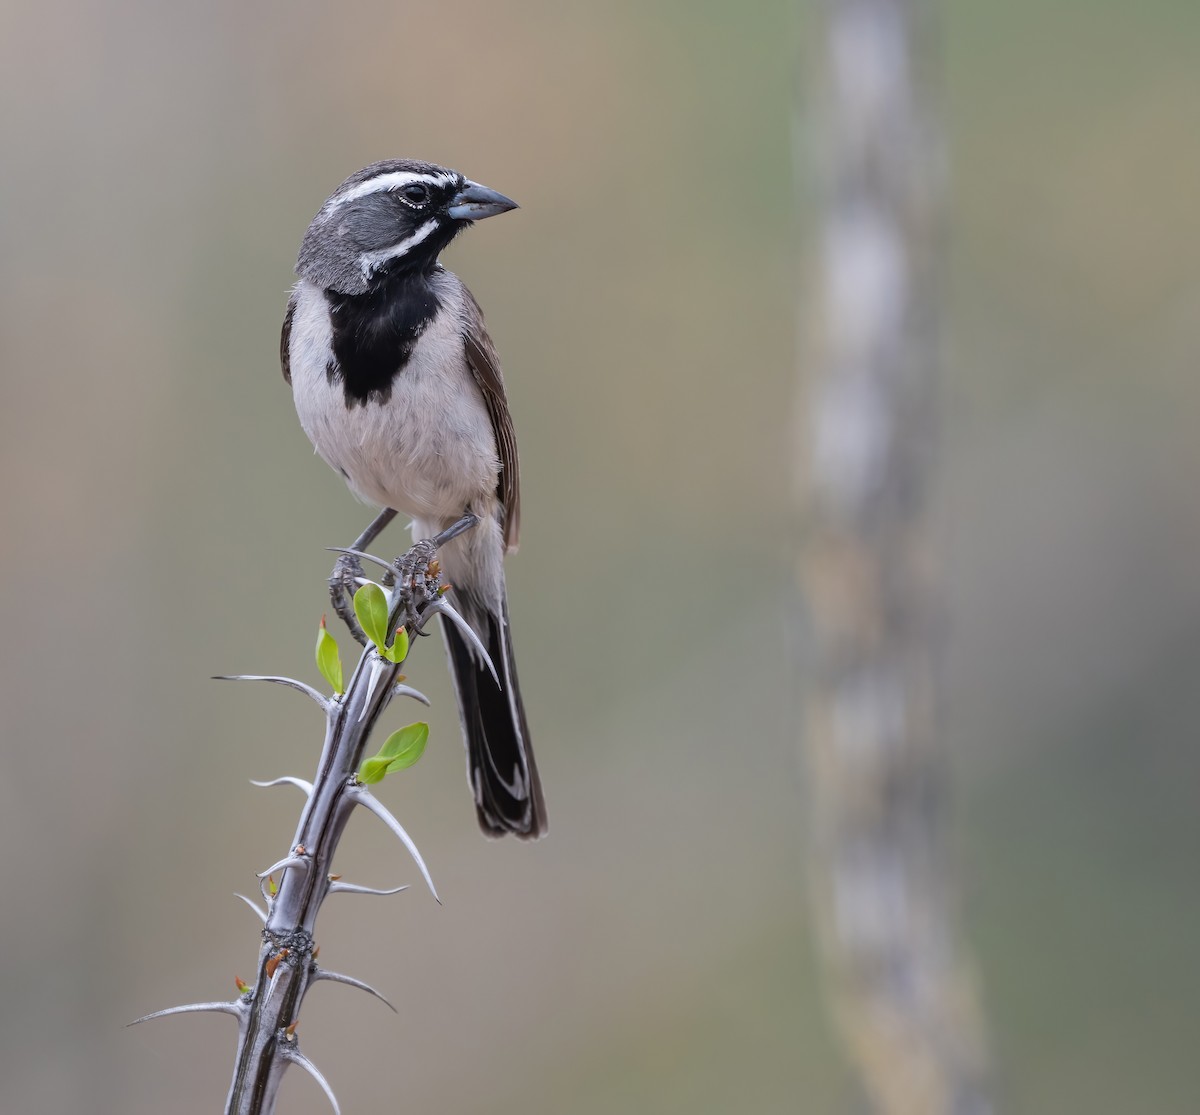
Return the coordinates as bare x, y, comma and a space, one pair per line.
398, 386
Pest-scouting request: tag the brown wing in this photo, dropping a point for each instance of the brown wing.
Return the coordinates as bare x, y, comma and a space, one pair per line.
485, 365
285, 340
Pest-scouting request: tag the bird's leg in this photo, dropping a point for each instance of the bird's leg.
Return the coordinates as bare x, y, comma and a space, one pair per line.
418, 575
463, 525
343, 581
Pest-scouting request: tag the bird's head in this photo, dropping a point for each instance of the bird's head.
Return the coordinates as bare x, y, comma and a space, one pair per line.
390, 217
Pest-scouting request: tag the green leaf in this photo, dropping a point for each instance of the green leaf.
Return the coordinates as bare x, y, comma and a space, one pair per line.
329, 662
372, 771
400, 750
398, 651
370, 605
405, 747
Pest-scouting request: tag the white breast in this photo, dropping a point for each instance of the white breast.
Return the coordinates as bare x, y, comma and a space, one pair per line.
428, 451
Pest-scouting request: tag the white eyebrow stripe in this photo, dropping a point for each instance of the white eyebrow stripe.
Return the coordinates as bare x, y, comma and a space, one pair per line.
370, 261
392, 181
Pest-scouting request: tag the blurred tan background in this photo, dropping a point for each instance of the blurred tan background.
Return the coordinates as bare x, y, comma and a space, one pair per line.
164, 520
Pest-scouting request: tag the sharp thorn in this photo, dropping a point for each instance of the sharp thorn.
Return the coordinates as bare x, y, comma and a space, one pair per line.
350, 981
355, 888
290, 780
289, 1052
253, 905
284, 864
376, 668
440, 607
366, 557
290, 683
364, 797
235, 1009
409, 691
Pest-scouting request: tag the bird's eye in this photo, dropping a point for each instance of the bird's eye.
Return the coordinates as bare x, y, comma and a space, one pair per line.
416, 193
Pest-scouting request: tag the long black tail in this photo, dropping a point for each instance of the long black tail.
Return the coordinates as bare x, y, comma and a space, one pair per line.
500, 764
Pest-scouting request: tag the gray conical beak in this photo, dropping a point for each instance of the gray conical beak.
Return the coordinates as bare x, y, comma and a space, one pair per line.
474, 202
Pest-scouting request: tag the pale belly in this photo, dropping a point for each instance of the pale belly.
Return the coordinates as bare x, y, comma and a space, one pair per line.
428, 451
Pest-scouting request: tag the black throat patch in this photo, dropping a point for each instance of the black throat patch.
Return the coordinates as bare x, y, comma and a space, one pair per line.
374, 335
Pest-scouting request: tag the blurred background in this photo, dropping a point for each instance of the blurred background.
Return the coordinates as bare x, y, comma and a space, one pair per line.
165, 520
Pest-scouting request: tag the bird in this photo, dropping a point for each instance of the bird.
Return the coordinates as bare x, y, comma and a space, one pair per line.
398, 385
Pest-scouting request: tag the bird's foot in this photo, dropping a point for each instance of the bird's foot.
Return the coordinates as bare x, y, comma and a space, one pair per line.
419, 581
343, 583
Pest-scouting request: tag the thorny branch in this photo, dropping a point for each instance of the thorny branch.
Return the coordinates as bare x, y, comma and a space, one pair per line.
268, 1012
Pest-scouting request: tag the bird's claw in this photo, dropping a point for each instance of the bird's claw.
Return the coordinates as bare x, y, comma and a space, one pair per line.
419, 579
343, 583
416, 575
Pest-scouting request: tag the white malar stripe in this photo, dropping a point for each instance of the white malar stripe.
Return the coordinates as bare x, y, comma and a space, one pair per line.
370, 262
392, 181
